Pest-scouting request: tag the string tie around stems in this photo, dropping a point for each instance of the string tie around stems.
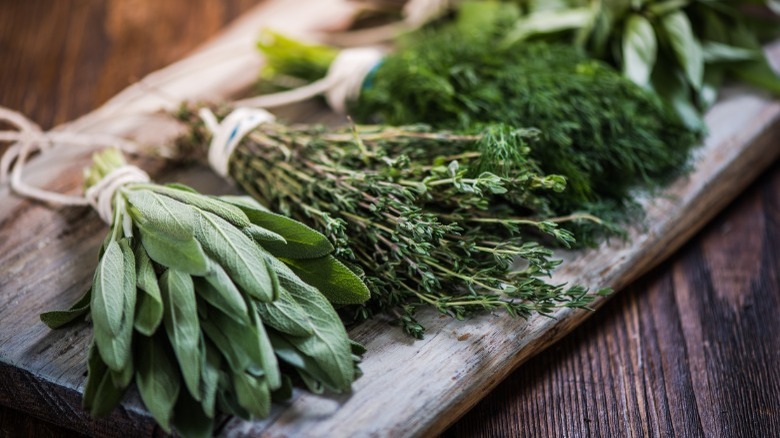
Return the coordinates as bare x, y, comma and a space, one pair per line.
28, 138
341, 85
227, 135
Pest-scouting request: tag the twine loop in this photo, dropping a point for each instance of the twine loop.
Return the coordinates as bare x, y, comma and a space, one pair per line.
341, 85
28, 138
228, 134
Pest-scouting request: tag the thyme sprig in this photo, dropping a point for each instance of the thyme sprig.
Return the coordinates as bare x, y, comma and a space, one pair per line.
409, 209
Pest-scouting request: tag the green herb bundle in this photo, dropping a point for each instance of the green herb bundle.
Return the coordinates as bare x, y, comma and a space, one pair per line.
604, 134
425, 226
209, 304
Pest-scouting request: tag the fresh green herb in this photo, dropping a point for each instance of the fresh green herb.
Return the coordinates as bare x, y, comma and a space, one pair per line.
183, 291
424, 225
604, 134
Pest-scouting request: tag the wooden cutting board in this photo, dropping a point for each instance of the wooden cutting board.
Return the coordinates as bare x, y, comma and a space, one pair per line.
47, 257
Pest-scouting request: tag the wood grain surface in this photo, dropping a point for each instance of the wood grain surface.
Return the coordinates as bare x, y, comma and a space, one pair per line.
687, 350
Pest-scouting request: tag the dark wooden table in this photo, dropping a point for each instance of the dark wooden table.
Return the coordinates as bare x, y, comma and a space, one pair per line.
662, 358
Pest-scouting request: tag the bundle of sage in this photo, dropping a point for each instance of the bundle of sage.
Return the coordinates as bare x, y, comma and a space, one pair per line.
207, 303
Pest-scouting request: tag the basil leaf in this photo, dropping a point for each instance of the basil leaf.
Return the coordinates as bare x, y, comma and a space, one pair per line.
241, 258
334, 280
100, 395
181, 324
685, 46
639, 50
183, 254
58, 318
286, 315
301, 240
222, 209
252, 394
150, 307
157, 379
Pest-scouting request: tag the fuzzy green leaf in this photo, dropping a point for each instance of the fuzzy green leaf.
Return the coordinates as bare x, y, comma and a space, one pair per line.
241, 258
58, 318
334, 280
158, 380
210, 365
149, 313
181, 324
113, 304
253, 394
286, 315
190, 419
184, 254
218, 290
222, 209
100, 395
300, 241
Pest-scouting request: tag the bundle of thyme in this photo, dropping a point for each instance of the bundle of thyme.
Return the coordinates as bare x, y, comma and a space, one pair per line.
424, 226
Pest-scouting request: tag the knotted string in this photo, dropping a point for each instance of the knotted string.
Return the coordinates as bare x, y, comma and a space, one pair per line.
340, 85
29, 138
228, 134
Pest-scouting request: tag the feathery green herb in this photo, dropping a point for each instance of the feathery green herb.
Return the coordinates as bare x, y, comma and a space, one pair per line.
196, 299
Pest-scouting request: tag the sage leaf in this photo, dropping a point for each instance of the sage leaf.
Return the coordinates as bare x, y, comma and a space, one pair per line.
241, 258
158, 380
100, 395
225, 210
162, 213
183, 254
639, 50
685, 46
218, 290
181, 324
108, 286
113, 304
286, 315
334, 280
190, 419
59, 318
316, 378
268, 360
149, 311
121, 379
252, 394
300, 241
210, 365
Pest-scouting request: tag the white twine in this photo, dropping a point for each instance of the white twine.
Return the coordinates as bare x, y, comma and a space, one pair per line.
340, 85
101, 195
29, 139
419, 12
227, 135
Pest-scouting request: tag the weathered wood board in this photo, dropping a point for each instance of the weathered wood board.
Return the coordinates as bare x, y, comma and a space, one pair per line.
410, 387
